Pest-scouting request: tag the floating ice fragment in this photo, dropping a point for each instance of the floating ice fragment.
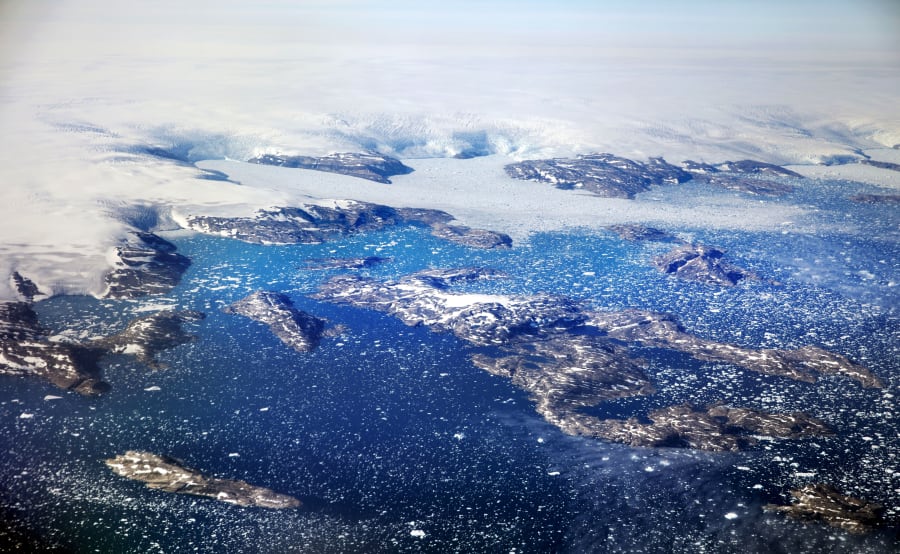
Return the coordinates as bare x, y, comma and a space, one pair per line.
731, 515
541, 440
26, 416
552, 473
152, 389
417, 533
234, 455
459, 436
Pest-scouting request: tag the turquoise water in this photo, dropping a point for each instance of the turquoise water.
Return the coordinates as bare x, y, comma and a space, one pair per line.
387, 429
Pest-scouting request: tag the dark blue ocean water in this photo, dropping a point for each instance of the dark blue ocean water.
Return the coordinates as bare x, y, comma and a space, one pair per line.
385, 429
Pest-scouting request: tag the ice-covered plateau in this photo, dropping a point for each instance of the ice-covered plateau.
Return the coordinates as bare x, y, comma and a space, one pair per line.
570, 359
170, 475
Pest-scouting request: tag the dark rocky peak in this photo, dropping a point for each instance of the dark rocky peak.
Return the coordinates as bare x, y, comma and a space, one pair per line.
756, 168
25, 287
424, 216
147, 264
19, 322
368, 165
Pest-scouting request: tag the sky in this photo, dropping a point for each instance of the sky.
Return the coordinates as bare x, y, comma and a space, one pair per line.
90, 29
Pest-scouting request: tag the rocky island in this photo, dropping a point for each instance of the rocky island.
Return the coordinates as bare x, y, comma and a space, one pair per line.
569, 359
821, 502
703, 264
366, 165
612, 176
146, 336
170, 475
317, 223
297, 329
